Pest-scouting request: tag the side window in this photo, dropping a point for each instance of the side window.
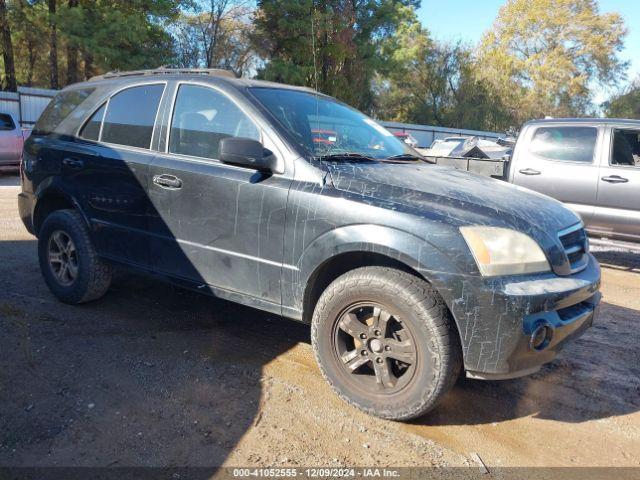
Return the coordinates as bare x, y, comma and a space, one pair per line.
201, 118
6, 122
131, 115
91, 129
60, 108
572, 144
626, 148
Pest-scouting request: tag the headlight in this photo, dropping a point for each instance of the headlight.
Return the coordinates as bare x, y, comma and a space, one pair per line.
501, 251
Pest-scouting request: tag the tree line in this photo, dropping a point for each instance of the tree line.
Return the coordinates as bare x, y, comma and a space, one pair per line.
539, 57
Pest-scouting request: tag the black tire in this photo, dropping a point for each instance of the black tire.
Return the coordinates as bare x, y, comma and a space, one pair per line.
92, 275
415, 311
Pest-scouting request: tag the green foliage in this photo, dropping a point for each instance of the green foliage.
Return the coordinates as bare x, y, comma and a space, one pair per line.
120, 34
29, 25
336, 45
543, 57
103, 34
435, 83
626, 104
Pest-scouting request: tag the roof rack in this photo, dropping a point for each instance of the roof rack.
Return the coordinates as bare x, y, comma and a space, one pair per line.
215, 72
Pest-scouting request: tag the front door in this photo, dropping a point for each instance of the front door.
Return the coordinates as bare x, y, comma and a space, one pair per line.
216, 224
617, 213
559, 161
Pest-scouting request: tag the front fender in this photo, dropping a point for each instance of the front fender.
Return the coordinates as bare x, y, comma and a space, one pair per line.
399, 245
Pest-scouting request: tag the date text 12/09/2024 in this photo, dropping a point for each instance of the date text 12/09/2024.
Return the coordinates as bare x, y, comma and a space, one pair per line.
315, 472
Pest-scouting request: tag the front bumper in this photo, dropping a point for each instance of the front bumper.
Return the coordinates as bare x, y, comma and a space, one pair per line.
496, 317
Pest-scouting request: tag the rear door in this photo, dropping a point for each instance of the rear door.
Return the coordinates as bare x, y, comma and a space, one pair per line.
560, 161
617, 214
216, 224
109, 166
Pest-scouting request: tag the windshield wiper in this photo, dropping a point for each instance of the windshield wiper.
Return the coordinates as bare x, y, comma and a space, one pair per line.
345, 155
404, 156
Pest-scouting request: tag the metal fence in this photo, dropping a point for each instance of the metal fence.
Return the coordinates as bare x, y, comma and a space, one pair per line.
425, 134
26, 104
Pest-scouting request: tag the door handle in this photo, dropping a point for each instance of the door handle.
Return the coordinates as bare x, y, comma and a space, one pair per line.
529, 171
72, 162
167, 181
615, 179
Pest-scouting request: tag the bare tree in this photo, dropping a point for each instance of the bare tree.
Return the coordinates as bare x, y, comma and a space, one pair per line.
7, 49
216, 35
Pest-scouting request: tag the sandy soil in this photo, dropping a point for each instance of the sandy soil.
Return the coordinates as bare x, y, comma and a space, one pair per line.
154, 376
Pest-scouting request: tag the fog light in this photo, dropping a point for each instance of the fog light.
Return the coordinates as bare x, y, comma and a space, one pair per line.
541, 337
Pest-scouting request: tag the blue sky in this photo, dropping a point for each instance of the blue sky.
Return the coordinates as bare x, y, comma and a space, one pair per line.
468, 19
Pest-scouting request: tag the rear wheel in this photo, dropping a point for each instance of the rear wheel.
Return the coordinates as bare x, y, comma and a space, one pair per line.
386, 342
68, 261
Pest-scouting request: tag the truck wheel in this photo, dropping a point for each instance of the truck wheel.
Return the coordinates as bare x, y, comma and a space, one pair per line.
386, 342
68, 261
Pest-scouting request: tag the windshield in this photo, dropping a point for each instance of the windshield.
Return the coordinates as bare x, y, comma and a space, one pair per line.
326, 127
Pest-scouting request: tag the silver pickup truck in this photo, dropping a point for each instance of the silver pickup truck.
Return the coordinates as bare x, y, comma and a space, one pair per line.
592, 165
12, 138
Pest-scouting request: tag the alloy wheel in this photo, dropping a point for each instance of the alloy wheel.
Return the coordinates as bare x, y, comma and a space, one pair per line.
375, 348
63, 258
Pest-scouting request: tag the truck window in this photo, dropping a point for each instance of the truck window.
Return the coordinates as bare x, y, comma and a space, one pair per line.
131, 115
60, 108
201, 118
569, 144
6, 122
626, 148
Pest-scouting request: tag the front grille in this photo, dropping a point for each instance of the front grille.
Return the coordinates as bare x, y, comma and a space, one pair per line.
574, 242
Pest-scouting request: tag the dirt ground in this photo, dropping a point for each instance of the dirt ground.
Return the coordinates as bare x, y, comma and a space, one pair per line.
155, 376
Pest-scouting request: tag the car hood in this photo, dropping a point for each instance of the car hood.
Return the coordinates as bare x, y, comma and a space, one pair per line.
452, 196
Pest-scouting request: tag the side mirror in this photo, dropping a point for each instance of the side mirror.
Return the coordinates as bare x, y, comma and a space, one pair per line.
506, 157
248, 153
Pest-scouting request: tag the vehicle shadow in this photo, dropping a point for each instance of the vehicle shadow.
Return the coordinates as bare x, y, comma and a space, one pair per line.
9, 179
618, 259
150, 375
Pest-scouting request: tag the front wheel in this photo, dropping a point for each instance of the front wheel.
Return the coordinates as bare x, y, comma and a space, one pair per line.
68, 261
386, 342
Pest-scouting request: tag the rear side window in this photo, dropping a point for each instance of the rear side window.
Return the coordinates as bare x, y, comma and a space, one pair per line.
131, 115
202, 117
91, 130
60, 108
570, 144
6, 122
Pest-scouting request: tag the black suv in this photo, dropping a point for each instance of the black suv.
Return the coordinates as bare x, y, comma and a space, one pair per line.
289, 201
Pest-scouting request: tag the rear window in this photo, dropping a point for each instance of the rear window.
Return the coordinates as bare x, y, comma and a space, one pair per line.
131, 115
91, 130
570, 144
60, 108
6, 122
